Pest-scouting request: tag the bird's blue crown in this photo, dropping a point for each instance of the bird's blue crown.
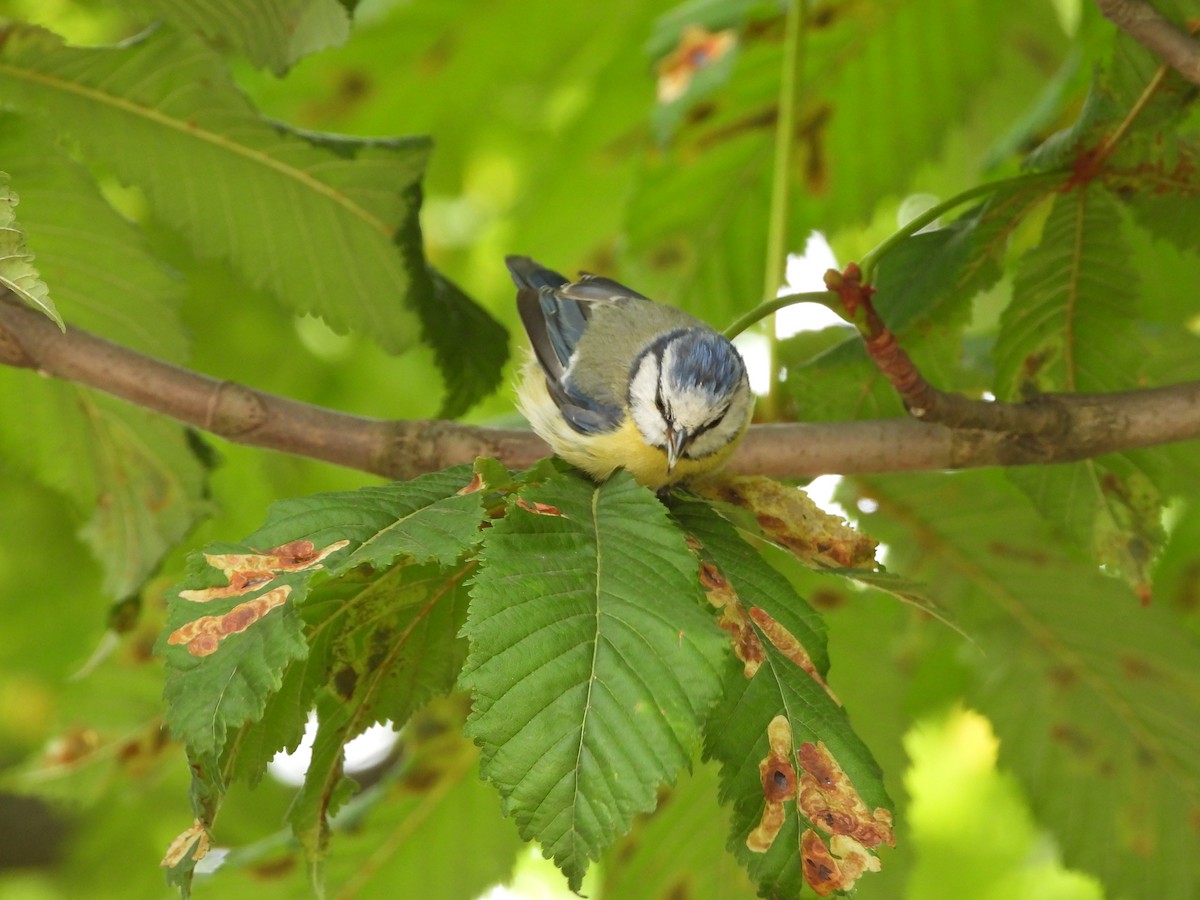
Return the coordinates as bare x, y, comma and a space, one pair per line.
705, 360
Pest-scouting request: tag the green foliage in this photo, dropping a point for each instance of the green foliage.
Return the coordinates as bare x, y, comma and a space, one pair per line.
586, 697
737, 736
1098, 698
164, 114
17, 272
274, 34
180, 198
594, 668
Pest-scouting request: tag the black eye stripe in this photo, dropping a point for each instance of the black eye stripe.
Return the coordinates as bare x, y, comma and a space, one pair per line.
711, 423
663, 410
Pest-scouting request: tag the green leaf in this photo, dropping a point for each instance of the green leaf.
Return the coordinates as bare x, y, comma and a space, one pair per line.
1163, 199
761, 584
1071, 327
697, 217
1096, 700
17, 272
679, 851
396, 646
274, 34
422, 520
1061, 148
151, 489
328, 224
285, 717
138, 478
135, 476
437, 833
1109, 506
932, 276
207, 695
592, 665
1175, 582
447, 315
1070, 324
843, 383
1132, 80
104, 275
786, 683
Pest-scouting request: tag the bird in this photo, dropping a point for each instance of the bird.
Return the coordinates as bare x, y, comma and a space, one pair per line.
617, 380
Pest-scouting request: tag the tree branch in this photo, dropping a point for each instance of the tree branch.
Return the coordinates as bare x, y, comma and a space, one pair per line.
1084, 425
1155, 32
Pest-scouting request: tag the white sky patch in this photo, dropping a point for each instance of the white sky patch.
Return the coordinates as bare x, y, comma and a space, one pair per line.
753, 347
366, 751
806, 272
820, 491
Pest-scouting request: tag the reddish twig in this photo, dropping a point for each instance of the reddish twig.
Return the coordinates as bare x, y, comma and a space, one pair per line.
1044, 416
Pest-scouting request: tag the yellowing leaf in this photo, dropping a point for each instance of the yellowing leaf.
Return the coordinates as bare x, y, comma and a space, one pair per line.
790, 519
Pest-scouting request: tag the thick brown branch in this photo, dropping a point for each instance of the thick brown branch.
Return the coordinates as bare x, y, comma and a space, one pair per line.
1149, 27
1045, 421
1087, 425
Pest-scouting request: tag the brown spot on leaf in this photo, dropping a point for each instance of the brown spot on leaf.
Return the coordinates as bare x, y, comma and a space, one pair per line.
294, 556
1141, 843
835, 867
760, 839
1030, 555
713, 581
274, 869
830, 801
778, 779
697, 48
475, 485
811, 140
787, 644
345, 681
1136, 668
1062, 677
248, 571
204, 635
539, 509
821, 871
825, 599
1072, 738
733, 619
71, 746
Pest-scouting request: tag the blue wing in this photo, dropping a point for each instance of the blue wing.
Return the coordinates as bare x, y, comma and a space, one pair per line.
555, 314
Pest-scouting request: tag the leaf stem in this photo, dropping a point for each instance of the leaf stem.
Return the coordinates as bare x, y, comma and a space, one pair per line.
767, 307
1109, 144
777, 223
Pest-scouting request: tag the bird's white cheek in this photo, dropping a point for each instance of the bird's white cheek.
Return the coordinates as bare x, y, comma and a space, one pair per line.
643, 392
718, 438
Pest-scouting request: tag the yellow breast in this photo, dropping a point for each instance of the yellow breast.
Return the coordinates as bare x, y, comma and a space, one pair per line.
602, 454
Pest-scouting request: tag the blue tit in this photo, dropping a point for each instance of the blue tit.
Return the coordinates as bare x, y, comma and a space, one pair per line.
619, 381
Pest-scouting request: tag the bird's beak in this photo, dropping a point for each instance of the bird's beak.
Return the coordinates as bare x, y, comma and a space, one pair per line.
676, 442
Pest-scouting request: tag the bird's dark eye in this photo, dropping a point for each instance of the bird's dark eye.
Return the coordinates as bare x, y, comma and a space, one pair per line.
711, 423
